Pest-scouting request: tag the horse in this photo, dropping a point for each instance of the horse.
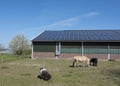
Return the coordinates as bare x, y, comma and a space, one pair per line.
93, 61
83, 59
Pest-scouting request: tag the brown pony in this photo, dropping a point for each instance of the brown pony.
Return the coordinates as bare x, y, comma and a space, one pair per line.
83, 59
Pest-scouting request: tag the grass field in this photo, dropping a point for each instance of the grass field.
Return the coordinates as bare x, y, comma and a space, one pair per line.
8, 57
24, 72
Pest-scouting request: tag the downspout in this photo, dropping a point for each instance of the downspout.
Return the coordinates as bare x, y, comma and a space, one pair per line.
82, 49
108, 51
58, 49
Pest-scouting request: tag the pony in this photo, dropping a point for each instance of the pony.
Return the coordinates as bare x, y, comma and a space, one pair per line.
83, 59
93, 61
44, 74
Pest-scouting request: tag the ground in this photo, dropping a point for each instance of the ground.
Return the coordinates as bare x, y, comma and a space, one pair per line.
24, 72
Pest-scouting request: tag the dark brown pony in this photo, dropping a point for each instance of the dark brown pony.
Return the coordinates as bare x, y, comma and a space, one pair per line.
83, 59
93, 61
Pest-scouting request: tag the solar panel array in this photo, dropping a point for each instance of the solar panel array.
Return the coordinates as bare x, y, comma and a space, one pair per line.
79, 35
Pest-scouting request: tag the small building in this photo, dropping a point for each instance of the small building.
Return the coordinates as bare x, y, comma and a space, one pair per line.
103, 44
4, 51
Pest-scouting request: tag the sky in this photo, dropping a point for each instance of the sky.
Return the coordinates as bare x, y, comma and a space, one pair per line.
31, 17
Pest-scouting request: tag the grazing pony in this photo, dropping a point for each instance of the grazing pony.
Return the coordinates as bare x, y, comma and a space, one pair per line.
93, 61
44, 74
83, 59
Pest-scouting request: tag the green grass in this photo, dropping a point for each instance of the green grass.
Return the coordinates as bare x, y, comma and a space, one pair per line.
24, 72
8, 57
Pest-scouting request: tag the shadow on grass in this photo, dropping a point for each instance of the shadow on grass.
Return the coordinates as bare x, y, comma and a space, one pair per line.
114, 74
40, 77
77, 66
4, 67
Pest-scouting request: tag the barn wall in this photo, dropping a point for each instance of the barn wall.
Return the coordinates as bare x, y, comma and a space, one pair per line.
92, 49
99, 56
44, 47
67, 55
89, 48
43, 55
70, 49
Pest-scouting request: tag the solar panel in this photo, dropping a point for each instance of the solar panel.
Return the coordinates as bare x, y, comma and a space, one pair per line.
79, 35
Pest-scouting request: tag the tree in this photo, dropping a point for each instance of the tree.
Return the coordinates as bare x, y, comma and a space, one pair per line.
20, 45
1, 47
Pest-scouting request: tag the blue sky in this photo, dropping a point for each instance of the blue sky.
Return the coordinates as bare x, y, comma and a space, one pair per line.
32, 17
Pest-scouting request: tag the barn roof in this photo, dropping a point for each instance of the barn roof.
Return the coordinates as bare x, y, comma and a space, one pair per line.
79, 35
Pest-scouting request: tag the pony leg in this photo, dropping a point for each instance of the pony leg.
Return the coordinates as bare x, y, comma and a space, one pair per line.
85, 62
88, 63
74, 63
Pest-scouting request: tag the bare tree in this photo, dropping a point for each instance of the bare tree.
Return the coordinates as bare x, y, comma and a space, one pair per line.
19, 44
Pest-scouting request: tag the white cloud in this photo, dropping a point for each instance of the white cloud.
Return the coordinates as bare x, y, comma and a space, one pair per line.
66, 22
70, 21
90, 14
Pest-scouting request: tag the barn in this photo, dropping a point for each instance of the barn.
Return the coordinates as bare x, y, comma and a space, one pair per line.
102, 44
